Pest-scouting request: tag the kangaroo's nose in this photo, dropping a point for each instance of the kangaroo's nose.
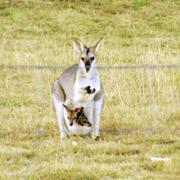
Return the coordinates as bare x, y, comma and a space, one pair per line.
87, 66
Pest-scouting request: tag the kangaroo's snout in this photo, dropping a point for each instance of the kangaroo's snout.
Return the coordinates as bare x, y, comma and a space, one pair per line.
87, 61
88, 66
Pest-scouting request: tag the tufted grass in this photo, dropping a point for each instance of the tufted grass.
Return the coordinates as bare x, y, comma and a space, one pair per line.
141, 115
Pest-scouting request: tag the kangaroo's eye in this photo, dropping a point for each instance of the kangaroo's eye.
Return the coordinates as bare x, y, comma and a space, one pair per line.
92, 58
82, 58
68, 117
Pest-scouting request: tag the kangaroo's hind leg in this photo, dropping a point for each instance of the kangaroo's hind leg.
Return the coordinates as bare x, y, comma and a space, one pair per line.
58, 100
99, 100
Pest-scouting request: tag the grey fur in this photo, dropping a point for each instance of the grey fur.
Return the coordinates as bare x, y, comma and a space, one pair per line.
68, 88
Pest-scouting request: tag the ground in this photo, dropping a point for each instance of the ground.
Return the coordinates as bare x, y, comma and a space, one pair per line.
141, 115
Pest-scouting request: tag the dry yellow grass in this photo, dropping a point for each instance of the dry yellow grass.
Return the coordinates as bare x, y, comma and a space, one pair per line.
141, 115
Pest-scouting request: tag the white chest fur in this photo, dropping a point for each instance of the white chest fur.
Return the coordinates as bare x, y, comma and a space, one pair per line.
82, 81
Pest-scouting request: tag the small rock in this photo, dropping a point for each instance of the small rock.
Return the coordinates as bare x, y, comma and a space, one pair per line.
74, 143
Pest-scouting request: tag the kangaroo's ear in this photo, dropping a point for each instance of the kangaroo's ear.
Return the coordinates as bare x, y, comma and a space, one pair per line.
97, 45
78, 46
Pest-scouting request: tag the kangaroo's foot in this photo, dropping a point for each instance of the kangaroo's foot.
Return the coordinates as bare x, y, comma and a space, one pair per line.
96, 137
63, 136
89, 90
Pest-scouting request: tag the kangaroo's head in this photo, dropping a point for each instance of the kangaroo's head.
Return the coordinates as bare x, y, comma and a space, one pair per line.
87, 54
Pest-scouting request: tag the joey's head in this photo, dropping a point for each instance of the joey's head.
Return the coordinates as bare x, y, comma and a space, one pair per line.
87, 54
72, 114
77, 116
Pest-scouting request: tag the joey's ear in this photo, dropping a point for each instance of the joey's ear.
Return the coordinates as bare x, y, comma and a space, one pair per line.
82, 109
66, 107
78, 46
78, 110
97, 45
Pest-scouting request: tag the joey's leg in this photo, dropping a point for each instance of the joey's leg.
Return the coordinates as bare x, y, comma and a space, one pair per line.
89, 110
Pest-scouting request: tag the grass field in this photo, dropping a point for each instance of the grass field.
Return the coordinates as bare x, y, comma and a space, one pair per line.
141, 116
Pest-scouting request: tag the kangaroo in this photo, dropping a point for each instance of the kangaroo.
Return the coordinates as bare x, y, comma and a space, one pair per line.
77, 116
81, 85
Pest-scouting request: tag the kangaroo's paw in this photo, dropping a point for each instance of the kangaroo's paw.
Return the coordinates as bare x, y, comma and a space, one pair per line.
90, 90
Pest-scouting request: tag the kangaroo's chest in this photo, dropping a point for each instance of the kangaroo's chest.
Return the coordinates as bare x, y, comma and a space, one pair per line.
80, 89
